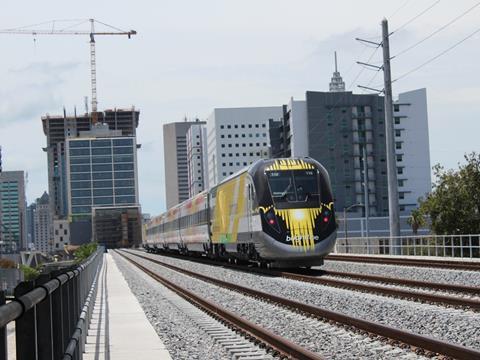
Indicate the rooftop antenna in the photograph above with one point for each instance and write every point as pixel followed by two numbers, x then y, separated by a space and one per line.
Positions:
pixel 336 84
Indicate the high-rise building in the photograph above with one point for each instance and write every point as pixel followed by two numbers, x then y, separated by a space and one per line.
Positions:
pixel 31 209
pixel 58 128
pixel 342 130
pixel 197 159
pixel 237 137
pixel 176 161
pixel 13 227
pixel 101 173
pixel 43 239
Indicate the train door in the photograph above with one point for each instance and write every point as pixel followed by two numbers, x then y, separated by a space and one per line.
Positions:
pixel 249 207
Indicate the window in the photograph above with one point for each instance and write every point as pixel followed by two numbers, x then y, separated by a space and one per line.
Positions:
pixel 398 145
pixel 399 158
pixel 80 176
pixel 102 175
pixel 243 135
pixel 79 152
pixel 401 183
pixel 236 126
pixel 236 135
pixel 224 174
pixel 222 136
pixel 397 120
pixel 79 143
pixel 249 126
pixel 401 195
pixel 229 145
pixel 101 143
pixel 229 126
pixel 263 125
pixel 398 133
pixel 223 145
pixel 102 184
pixel 396 107
pixel 242 126
pixel 123 183
pixel 229 136
pixel 256 125
pixel 105 167
pixel 399 170
pixel 80 193
pixel 101 151
pixel 122 142
pixel 221 126
pixel 79 168
pixel 102 160
pixel 125 191
pixel 102 192
pixel 123 150
pixel 81 184
pixel 80 160
pixel 103 201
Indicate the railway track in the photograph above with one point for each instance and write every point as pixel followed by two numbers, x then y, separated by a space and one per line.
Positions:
pixel 280 346
pixel 445 264
pixel 456 295
pixel 413 340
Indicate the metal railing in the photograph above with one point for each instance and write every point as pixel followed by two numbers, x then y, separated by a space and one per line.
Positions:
pixel 461 246
pixel 52 313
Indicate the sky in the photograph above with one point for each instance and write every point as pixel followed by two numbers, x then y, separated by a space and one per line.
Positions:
pixel 190 57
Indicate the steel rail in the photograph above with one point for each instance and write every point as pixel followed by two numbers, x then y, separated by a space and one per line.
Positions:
pixel 412 339
pixel 400 293
pixel 400 281
pixel 446 264
pixel 395 292
pixel 277 343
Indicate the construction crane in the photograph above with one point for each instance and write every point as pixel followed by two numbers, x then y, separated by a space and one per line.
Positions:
pixel 69 30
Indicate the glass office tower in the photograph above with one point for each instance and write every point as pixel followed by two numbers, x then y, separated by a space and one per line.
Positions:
pixel 101 172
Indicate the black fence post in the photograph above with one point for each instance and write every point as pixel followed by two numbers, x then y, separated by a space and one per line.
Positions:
pixel 44 323
pixel 66 314
pixel 3 333
pixel 57 319
pixel 25 332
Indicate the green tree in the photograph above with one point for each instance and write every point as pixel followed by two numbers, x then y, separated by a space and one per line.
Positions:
pixel 84 251
pixel 416 220
pixel 29 273
pixel 454 203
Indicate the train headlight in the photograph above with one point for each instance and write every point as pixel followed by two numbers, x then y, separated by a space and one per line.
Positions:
pixel 298 214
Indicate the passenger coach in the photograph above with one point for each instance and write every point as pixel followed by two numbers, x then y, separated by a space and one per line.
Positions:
pixel 276 212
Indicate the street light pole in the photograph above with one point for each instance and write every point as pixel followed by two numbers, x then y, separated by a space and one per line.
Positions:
pixel 345 221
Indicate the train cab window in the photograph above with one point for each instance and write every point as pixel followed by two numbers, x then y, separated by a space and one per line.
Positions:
pixel 294 188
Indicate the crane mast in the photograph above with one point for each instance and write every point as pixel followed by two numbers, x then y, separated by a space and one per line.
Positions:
pixel 93 72
pixel 68 31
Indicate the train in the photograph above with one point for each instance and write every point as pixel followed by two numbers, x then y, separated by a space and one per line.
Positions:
pixel 275 213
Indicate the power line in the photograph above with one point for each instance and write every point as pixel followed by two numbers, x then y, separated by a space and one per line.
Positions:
pixel 400 8
pixel 438 55
pixel 415 17
pixel 437 31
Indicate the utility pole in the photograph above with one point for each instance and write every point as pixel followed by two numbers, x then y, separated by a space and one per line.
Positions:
pixel 393 208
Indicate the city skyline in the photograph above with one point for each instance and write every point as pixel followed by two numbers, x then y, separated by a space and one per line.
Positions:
pixel 209 70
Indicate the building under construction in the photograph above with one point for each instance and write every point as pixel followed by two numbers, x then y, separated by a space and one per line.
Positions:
pixel 59 128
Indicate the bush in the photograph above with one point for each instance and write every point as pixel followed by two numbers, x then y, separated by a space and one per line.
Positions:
pixel 84 251
pixel 29 273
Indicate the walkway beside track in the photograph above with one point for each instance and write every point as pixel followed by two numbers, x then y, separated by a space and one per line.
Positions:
pixel 119 329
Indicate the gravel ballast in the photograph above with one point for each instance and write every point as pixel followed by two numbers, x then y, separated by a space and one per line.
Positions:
pixel 460 277
pixel 182 339
pixel 329 340
pixel 449 324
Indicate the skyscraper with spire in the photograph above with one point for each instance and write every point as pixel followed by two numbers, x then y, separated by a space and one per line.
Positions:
pixel 337 84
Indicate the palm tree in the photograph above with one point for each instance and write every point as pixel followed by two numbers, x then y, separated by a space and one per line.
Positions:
pixel 416 220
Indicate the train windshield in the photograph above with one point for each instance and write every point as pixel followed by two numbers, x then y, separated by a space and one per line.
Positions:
pixel 294 188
